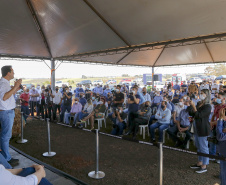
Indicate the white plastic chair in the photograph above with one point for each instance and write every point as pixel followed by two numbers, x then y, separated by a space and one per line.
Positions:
pixel 99 120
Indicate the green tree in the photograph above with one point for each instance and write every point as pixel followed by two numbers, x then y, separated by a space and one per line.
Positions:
pixel 209 71
pixel 220 69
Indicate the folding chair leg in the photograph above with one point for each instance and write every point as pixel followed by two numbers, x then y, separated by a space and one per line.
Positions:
pixel 143 132
pixel 140 130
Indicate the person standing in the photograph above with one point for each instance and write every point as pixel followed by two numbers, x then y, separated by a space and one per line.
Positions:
pixel 56 102
pixel 33 95
pixel 24 98
pixel 7 114
pixel 202 129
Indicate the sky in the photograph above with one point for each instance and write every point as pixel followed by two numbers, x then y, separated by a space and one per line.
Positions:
pixel 34 69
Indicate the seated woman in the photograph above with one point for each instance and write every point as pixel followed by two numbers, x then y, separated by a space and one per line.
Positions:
pixel 88 108
pixel 98 112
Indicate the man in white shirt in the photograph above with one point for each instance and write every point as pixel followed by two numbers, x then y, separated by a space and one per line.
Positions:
pixel 56 102
pixel 7 114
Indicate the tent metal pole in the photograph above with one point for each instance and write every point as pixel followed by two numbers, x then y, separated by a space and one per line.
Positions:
pixel 53 74
pixel 152 78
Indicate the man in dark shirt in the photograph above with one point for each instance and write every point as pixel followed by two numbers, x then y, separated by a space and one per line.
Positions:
pixel 67 103
pixel 82 99
pixel 118 99
pixel 120 123
pixel 133 101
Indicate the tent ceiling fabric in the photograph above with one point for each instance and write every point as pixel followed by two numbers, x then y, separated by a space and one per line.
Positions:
pixel 73 29
pixel 18 33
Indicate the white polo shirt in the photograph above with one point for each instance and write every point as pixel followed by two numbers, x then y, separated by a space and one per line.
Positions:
pixel 4 88
pixel 10 179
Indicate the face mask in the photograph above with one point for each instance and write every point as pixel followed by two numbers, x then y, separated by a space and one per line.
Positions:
pixel 144 92
pixel 38 87
pixel 185 98
pixel 181 104
pixel 33 88
pixel 133 92
pixel 80 96
pixel 67 91
pixel 26 92
pixel 98 86
pixel 93 98
pixel 219 101
pixel 83 96
pixel 202 97
pixel 185 106
pixel 108 95
pixel 70 89
pixel 101 102
pixel 146 105
pixel 196 97
pixel 76 102
pixel 120 111
pixel 169 90
pixel 56 89
pixel 117 90
pixel 162 106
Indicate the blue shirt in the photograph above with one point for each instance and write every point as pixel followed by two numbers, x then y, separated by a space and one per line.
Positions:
pixel 98 90
pixel 106 91
pixel 142 99
pixel 221 137
pixel 168 106
pixel 83 101
pixel 163 116
pixel 184 118
pixel 176 87
pixel 79 90
pixel 157 99
pixel 133 107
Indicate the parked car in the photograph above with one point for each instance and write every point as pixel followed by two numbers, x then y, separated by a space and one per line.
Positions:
pixel 97 82
pixel 60 83
pixel 196 79
pixel 159 85
pixel 85 82
pixel 111 82
pixel 137 80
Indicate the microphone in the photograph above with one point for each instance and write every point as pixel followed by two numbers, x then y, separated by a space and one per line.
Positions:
pixel 21 86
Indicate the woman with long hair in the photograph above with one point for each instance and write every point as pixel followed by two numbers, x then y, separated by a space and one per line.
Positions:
pixel 202 129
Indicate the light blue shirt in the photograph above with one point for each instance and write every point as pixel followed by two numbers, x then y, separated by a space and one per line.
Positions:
pixel 98 90
pixel 163 116
pixel 142 99
pixel 184 118
pixel 157 99
pixel 106 91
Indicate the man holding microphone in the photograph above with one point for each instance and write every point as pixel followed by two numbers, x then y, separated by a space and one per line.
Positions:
pixel 7 107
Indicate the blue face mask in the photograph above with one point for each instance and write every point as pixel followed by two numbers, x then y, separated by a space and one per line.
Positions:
pixel 218 101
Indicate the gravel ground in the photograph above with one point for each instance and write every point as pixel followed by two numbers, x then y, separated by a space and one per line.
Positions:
pixel 124 162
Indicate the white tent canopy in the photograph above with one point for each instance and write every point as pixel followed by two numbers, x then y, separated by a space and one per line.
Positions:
pixel 120 32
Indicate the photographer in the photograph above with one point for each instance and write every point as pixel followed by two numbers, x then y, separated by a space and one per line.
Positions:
pixel 202 129
pixel 221 137
pixel 66 105
pixel 120 123
pixel 24 98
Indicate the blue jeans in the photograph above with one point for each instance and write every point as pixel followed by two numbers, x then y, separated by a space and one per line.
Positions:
pixel 30 170
pixel 67 115
pixel 4 162
pixel 118 130
pixel 25 111
pixel 160 127
pixel 81 115
pixel 111 118
pixel 223 172
pixel 201 144
pixel 63 109
pixel 212 146
pixel 6 119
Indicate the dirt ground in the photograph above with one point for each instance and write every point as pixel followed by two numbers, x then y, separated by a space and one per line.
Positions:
pixel 124 162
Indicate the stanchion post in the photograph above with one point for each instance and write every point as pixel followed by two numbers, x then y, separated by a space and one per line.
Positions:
pixel 49 153
pixel 97 174
pixel 22 140
pixel 160 164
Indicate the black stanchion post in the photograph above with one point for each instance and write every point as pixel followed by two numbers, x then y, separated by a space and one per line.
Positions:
pixel 160 164
pixel 97 174
pixel 49 153
pixel 22 140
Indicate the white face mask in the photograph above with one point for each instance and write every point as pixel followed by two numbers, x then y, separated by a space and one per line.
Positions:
pixel 185 98
pixel 202 96
pixel 93 98
pixel 67 91
pixel 38 87
pixel 26 92
pixel 120 111
pixel 33 88
pixel 116 90
pixel 70 89
pixel 101 102
pixel 181 104
pixel 98 86
pixel 133 92
pixel 76 102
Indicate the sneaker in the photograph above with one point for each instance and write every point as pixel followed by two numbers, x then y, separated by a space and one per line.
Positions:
pixel 201 170
pixel 195 166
